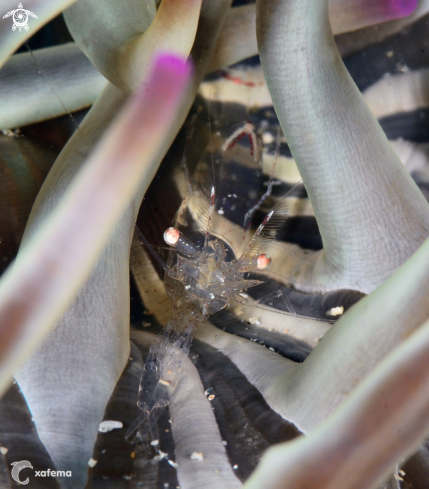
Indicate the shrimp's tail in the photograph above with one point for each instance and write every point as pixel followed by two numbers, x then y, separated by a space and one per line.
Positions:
pixel 159 377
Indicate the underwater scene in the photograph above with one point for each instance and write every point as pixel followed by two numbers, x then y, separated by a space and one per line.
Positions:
pixel 214 244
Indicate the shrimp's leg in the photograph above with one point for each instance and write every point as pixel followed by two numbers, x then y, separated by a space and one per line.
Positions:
pixel 278 294
pixel 267 300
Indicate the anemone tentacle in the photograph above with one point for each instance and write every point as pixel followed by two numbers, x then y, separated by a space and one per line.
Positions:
pixel 99 315
pixel 360 191
pixel 87 311
pixel 77 83
pixel 350 171
pixel 46 10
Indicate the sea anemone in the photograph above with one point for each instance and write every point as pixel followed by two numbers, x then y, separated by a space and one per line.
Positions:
pixel 357 407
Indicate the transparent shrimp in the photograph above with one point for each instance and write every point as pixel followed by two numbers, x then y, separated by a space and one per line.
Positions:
pixel 199 284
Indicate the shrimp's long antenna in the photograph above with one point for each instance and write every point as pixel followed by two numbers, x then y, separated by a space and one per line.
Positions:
pixel 179 217
pixel 213 191
pixel 149 247
pixel 250 212
pixel 189 137
pixel 271 225
pixel 210 220
pixel 42 71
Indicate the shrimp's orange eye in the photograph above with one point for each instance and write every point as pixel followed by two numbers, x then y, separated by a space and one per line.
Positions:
pixel 171 236
pixel 264 261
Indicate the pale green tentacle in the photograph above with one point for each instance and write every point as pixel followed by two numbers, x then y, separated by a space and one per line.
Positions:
pixel 371 215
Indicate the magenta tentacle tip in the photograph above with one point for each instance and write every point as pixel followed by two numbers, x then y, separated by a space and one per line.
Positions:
pixel 401 8
pixel 164 84
pixel 178 65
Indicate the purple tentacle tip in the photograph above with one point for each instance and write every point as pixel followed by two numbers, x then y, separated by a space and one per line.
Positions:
pixel 401 8
pixel 178 65
pixel 164 86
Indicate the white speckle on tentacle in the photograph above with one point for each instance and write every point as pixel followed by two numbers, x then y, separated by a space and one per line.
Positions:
pixel 215 471
pixel 160 456
pixel 335 311
pixel 254 321
pixel 197 456
pixel 109 425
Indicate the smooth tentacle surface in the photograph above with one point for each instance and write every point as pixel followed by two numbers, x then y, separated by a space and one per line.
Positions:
pixel 355 14
pixel 41 378
pixel 68 381
pixel 102 30
pixel 75 80
pixel 348 43
pixel 124 52
pixel 379 218
pixel 48 374
pixel 46 10
pixel 349 449
pixel 98 320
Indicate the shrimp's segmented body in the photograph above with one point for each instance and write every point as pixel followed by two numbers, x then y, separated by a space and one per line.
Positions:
pixel 199 284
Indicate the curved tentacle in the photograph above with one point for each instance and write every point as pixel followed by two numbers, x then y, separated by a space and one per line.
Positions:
pixel 371 215
pixel 371 329
pixel 237 40
pixel 93 336
pixel 75 79
pixel 129 42
pixel 46 10
pixel 102 29
pixel 355 14
pixel 360 444
pixel 349 43
pixel 209 26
